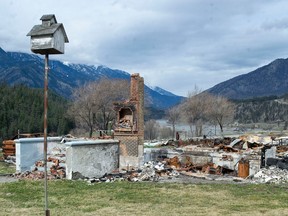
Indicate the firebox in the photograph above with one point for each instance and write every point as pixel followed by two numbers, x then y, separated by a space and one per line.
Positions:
pixel 126 117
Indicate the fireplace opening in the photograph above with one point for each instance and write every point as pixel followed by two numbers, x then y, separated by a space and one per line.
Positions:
pixel 125 118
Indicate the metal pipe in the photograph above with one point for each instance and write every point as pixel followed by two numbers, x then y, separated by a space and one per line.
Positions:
pixel 47 212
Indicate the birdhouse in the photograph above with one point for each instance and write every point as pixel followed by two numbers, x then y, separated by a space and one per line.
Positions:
pixel 49 37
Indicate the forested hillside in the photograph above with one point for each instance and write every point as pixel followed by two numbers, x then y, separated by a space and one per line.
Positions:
pixel 22 108
pixel 267 109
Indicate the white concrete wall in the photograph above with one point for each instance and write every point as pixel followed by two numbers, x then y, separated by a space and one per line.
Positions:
pixel 91 158
pixel 30 150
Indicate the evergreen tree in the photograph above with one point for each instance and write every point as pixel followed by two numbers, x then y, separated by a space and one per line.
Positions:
pixel 21 108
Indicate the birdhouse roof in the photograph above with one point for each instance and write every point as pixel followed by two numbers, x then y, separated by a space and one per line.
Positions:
pixel 40 30
pixel 48 17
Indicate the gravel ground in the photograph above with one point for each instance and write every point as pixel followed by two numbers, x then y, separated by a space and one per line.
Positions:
pixel 7 178
pixel 209 179
pixel 179 179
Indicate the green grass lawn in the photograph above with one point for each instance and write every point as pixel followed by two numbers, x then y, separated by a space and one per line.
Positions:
pixel 26 197
pixel 6 168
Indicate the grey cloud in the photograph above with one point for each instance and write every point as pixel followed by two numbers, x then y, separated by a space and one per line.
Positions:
pixel 173 44
pixel 276 24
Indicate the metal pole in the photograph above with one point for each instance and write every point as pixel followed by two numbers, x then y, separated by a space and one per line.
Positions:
pixel 47 212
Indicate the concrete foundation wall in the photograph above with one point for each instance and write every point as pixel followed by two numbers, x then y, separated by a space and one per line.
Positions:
pixel 30 150
pixel 91 158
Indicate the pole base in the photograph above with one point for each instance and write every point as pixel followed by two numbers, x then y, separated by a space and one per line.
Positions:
pixel 47 212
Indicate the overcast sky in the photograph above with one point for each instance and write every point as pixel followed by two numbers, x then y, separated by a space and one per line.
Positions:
pixel 173 44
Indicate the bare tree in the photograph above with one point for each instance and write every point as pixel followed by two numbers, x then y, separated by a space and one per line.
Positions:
pixel 203 107
pixel 82 108
pixel 151 129
pixel 220 110
pixel 93 104
pixel 194 109
pixel 173 117
pixel 107 92
pixel 165 132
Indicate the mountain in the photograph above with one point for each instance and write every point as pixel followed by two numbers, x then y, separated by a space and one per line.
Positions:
pixel 269 80
pixel 161 101
pixel 28 69
pixel 162 91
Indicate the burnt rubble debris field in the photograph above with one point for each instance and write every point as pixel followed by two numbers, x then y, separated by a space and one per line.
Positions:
pixel 247 159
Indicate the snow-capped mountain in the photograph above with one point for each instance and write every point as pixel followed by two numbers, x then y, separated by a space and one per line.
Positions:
pixel 22 68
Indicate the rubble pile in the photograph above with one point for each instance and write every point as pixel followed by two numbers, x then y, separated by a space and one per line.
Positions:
pixel 54 172
pixel 151 171
pixel 55 167
pixel 271 174
pixel 282 151
pixel 169 168
pixel 10 159
pixel 35 175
